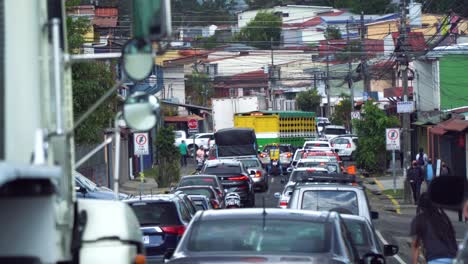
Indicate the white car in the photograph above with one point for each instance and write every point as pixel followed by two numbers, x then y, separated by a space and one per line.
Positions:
pixel 333 131
pixel 179 136
pixel 345 146
pixel 317 145
pixel 198 140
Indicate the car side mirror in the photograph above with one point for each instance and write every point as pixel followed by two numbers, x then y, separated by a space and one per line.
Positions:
pixel 81 189
pixel 289 170
pixel 390 250
pixel 372 258
pixel 374 215
pixel 277 195
pixel 294 163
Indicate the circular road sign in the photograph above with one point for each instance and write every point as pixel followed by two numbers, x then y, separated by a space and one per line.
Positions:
pixel 393 134
pixel 192 124
pixel 141 139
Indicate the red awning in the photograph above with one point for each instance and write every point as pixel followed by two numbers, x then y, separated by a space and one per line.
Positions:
pixel 181 118
pixel 438 131
pixel 454 124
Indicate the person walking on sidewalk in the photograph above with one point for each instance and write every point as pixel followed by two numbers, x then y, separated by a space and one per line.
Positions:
pixel 422 160
pixel 183 154
pixel 429 172
pixel 415 179
pixel 432 231
pixel 444 169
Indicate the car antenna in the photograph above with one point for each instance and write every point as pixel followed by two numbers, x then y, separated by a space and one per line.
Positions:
pixel 264 212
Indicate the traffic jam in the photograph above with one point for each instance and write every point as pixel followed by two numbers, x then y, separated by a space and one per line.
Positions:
pixel 212 216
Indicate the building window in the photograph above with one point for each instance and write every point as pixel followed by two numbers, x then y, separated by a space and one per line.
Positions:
pixel 285 14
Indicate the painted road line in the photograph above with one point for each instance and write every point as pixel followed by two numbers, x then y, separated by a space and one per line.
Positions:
pixel 394 202
pixel 386 243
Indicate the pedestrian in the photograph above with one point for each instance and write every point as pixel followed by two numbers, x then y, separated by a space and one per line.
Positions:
pixel 415 178
pixel 183 153
pixel 444 169
pixel 422 159
pixel 433 232
pixel 429 172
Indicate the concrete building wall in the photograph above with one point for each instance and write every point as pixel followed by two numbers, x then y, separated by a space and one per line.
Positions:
pixel 425 86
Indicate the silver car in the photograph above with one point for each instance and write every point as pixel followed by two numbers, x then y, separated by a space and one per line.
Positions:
pixel 256 171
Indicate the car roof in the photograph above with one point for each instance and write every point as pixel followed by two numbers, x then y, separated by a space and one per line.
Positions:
pixel 356 218
pixel 198 176
pixel 194 187
pixel 334 185
pixel 309 168
pixel 153 198
pixel 271 213
pixel 316 141
pixel 198 197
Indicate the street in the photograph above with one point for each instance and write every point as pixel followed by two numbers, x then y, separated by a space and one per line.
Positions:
pixel 391 228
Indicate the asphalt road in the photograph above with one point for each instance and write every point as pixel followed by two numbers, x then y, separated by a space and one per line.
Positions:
pixel 391 228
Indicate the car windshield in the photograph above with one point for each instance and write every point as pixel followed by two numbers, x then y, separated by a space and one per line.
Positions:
pixel 359 232
pixel 314 164
pixel 151 213
pixel 250 163
pixel 222 169
pixel 299 174
pixel 315 145
pixel 326 200
pixel 335 131
pixel 274 236
pixel 87 183
pixel 177 134
pixel 197 181
pixel 282 148
pixel 199 191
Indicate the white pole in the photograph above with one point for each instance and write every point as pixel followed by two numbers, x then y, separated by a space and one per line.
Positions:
pixel 117 154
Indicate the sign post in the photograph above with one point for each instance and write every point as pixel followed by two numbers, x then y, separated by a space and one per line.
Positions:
pixel 392 139
pixel 192 125
pixel 141 147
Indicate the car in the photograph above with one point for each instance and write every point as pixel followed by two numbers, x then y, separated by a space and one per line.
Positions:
pixel 330 166
pixel 333 131
pixel 163 220
pixel 363 234
pixel 201 202
pixel 317 145
pixel 202 180
pixel 321 123
pixel 234 178
pixel 179 136
pixel 87 189
pixel 267 236
pixel 345 146
pixel 188 203
pixel 330 192
pixel 331 156
pixel 208 191
pixel 256 171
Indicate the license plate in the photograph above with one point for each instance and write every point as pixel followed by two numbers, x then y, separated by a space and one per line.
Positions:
pixel 146 240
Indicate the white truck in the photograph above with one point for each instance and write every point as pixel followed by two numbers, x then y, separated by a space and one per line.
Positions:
pixel 225 108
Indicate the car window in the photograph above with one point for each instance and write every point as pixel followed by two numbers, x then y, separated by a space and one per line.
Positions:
pixel 321 145
pixel 315 164
pixel 85 182
pixel 197 181
pixel 347 240
pixel 184 212
pixel 254 235
pixel 222 169
pixel 359 233
pixel 298 174
pixel 177 134
pixel 206 136
pixel 164 213
pixel 200 191
pixel 326 200
pixel 335 131
pixel 250 163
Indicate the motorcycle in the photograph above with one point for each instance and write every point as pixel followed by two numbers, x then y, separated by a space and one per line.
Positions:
pixel 275 167
pixel 232 200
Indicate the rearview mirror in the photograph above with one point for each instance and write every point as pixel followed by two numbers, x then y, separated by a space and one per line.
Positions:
pixel 452 199
pixel 140 111
pixel 289 169
pixel 138 61
pixel 390 250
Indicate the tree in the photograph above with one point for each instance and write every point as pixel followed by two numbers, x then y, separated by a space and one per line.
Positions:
pixel 263 31
pixel 371 150
pixel 372 7
pixel 332 33
pixel 443 7
pixel 309 100
pixel 199 88
pixel 342 112
pixel 90 80
pixel 262 4
pixel 168 157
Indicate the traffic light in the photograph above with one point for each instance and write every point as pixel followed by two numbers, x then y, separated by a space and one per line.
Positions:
pixel 151 19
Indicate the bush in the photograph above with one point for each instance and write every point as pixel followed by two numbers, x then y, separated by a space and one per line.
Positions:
pixel 168 157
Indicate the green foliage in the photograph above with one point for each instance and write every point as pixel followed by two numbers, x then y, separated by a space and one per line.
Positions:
pixel 90 81
pixel 342 112
pixel 264 30
pixel 371 152
pixel 332 33
pixel 76 28
pixel 443 7
pixel 309 100
pixel 207 43
pixel 168 157
pixel 196 86
pixel 261 4
pixel 200 13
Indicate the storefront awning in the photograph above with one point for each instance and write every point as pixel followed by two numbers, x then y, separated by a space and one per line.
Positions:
pixel 438 131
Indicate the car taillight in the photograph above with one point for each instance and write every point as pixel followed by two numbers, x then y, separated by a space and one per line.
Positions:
pixel 348 145
pixel 283 203
pixel 258 174
pixel 239 178
pixel 174 230
pixel 215 204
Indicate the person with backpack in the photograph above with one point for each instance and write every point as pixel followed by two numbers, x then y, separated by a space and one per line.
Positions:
pixel 421 158
pixel 415 178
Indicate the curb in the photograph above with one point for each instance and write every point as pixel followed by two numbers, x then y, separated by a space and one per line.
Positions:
pixel 393 200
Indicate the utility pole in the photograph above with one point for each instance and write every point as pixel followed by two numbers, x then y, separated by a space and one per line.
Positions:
pixel 327 80
pixel 271 75
pixel 350 75
pixel 365 77
pixel 404 61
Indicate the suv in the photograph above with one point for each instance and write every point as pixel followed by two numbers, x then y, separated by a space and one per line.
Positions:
pixel 332 131
pixel 234 178
pixel 202 180
pixel 345 146
pixel 256 171
pixel 163 220
pixel 208 191
pixel 331 192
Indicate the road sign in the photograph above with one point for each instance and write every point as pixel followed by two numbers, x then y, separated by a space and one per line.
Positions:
pixel 405 107
pixel 192 123
pixel 141 145
pixel 355 115
pixel 392 138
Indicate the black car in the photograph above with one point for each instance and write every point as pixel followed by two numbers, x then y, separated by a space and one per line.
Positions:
pixel 268 236
pixel 216 201
pixel 187 201
pixel 163 220
pixel 234 178
pixel 202 180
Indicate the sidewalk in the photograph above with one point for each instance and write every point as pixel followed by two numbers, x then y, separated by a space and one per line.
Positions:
pixel 150 185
